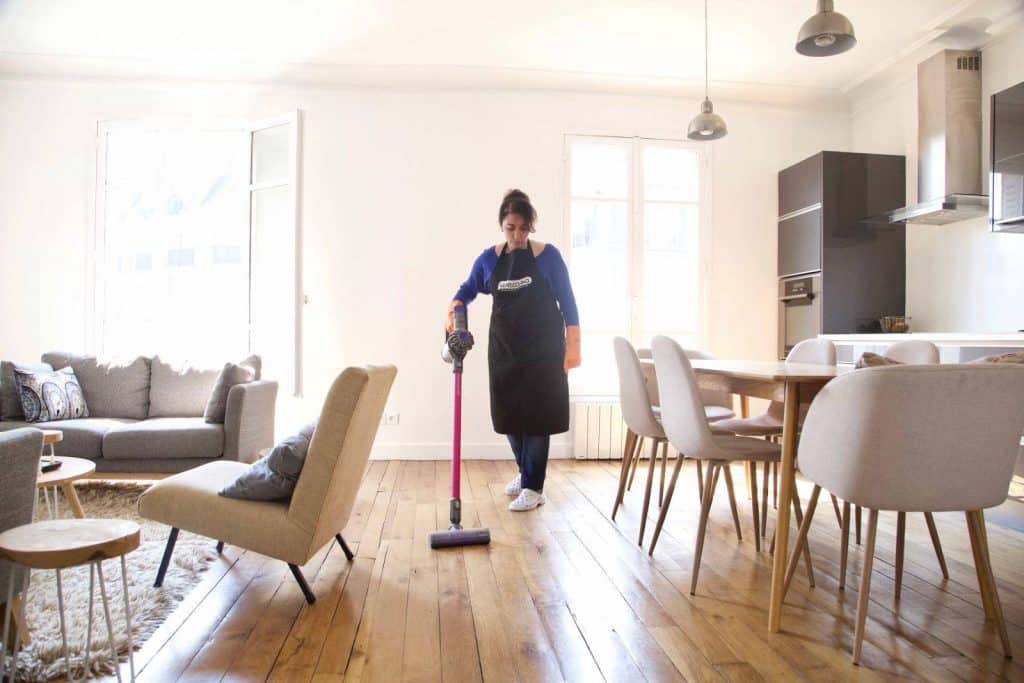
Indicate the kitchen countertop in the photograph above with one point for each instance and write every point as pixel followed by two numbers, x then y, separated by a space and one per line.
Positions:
pixel 937 338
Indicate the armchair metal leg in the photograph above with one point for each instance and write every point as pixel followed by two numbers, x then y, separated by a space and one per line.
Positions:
pixel 168 549
pixel 301 580
pixel 344 547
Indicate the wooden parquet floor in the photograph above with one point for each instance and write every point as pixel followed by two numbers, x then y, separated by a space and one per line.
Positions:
pixel 565 593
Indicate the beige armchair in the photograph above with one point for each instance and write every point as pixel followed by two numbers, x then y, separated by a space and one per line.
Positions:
pixel 916 439
pixel 324 494
pixel 19 469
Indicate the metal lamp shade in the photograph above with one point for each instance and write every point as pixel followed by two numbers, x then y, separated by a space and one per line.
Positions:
pixel 825 34
pixel 707 125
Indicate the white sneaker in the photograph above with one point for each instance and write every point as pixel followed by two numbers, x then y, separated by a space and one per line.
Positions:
pixel 514 487
pixel 527 500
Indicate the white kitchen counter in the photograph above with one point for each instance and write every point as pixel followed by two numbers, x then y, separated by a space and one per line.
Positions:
pixel 937 338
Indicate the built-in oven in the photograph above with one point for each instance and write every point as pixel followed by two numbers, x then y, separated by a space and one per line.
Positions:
pixel 799 310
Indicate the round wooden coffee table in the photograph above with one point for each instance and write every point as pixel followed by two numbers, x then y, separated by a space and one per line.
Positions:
pixel 70 470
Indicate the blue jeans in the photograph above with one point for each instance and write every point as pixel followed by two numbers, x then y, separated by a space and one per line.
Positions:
pixel 532 457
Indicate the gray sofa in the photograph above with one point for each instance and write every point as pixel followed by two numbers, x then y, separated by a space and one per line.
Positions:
pixel 146 415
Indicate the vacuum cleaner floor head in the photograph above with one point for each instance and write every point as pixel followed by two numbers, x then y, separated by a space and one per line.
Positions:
pixel 458 537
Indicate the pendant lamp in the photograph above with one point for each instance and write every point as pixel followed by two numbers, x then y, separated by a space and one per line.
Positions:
pixel 707 125
pixel 825 34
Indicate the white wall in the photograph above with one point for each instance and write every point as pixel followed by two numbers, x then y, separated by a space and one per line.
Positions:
pixel 400 194
pixel 960 277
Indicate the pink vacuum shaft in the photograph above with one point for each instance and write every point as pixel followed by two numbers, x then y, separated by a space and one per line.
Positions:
pixel 457 436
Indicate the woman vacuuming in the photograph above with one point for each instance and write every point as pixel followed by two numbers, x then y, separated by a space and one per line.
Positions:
pixel 534 342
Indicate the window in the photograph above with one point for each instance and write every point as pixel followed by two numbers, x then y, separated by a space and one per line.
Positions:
pixel 196 237
pixel 634 214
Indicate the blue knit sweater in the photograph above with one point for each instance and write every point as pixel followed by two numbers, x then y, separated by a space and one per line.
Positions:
pixel 550 264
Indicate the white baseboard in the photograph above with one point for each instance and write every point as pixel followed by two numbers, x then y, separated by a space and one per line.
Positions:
pixel 443 451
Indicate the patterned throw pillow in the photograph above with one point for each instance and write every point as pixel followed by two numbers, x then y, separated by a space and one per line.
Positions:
pixel 874 360
pixel 49 396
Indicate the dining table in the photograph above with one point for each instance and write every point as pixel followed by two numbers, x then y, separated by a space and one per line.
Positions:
pixel 790 384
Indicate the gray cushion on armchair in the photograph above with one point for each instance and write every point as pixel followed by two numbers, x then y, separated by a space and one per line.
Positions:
pixel 19 468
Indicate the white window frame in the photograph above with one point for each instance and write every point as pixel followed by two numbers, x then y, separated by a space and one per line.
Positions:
pixel 96 288
pixel 635 218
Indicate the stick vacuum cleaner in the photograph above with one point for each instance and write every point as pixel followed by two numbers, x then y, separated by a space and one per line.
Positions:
pixel 456 345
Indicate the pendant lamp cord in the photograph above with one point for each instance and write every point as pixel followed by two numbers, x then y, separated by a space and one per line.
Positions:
pixel 705 49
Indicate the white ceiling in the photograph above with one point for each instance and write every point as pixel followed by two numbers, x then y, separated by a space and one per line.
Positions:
pixel 644 44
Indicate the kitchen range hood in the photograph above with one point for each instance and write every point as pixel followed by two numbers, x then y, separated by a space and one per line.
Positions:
pixel 948 142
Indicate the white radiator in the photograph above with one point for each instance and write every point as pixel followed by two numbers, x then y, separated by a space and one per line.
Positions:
pixel 598 431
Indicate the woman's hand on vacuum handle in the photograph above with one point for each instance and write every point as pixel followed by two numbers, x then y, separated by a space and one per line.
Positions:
pixel 450 322
pixel 572 348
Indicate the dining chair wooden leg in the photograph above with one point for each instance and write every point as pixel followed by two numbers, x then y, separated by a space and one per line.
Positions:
pixel 857 515
pixel 865 585
pixel 835 506
pixel 799 515
pixel 746 477
pixel 664 466
pixel 936 543
pixel 801 540
pixel 844 545
pixel 702 527
pixel 988 579
pixel 647 490
pixel 986 600
pixel 627 461
pixel 775 485
pixel 638 451
pixel 663 513
pixel 754 506
pixel 764 498
pixel 732 500
pixel 901 539
pixel 700 481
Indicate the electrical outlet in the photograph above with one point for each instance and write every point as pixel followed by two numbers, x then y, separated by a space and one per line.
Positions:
pixel 391 418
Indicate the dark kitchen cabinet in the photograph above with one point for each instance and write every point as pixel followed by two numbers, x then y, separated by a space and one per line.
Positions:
pixel 823 202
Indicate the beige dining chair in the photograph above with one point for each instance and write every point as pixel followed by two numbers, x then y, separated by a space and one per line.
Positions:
pixel 686 426
pixel 768 425
pixel 717 402
pixel 638 404
pixel 643 421
pixel 910 352
pixel 922 438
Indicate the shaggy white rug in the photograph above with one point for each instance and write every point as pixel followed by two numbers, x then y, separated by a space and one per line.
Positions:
pixel 44 658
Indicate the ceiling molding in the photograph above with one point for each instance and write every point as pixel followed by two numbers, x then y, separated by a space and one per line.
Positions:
pixel 405 77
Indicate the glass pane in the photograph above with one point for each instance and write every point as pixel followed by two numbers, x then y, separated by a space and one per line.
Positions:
pixel 273 278
pixel 600 170
pixel 598 375
pixel 671 174
pixel 163 290
pixel 134 157
pixel 599 269
pixel 271 153
pixel 671 268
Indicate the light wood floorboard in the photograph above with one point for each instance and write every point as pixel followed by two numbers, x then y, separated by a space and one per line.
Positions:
pixel 565 593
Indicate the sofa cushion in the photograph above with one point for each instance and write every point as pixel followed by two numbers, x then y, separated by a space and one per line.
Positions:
pixel 112 388
pixel 83 438
pixel 165 437
pixel 179 389
pixel 10 397
pixel 50 395
pixel 232 374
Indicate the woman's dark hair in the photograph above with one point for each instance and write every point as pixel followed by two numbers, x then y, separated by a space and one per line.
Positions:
pixel 517 202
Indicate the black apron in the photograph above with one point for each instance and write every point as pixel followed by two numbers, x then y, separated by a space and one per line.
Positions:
pixel 526 350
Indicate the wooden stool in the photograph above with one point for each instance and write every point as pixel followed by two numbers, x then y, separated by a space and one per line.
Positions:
pixel 61 544
pixel 64 478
